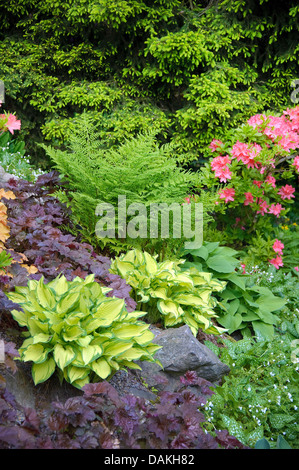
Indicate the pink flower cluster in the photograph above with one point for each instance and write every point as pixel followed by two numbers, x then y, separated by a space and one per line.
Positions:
pixel 219 166
pixel 9 122
pixel 280 131
pixel 278 246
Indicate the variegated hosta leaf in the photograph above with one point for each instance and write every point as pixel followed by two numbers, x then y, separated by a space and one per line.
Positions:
pixel 181 296
pixel 75 328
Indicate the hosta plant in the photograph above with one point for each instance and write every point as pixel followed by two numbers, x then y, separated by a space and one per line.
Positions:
pixel 180 296
pixel 75 329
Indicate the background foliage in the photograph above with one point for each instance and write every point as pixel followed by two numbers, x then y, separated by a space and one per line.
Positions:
pixel 191 69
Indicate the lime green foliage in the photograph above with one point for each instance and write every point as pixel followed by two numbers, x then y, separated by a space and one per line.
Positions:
pixel 243 305
pixel 5 259
pixel 259 398
pixel 75 329
pixel 181 296
pixel 139 170
pixel 193 69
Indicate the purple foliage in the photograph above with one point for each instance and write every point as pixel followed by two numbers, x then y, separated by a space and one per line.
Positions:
pixel 102 419
pixel 35 218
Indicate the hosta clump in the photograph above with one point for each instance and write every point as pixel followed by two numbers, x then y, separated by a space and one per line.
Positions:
pixel 180 296
pixel 75 329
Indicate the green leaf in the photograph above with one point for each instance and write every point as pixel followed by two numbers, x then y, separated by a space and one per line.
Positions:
pixel 262 444
pixel 91 353
pixel 41 372
pixel 63 355
pixel 282 443
pixel 76 373
pixel 271 303
pixel 101 368
pixel 68 302
pixel 263 331
pixel 222 264
pixel 35 353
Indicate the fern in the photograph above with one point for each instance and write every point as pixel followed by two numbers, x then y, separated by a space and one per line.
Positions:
pixel 139 169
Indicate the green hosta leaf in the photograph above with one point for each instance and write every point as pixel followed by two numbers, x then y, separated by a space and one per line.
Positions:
pixel 114 349
pixel 101 368
pixel 41 338
pixel 145 338
pixel 44 295
pixel 231 322
pixel 36 327
pixel 60 285
pixel 35 353
pixel 21 317
pixel 72 333
pixel 42 372
pixel 91 353
pixel 109 311
pixel 63 355
pixel 271 303
pixel 262 444
pixel 130 331
pixel 68 302
pixel 222 264
pixel 76 373
pixel 169 306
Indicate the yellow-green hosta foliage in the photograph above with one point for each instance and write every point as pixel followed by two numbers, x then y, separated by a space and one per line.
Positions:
pixel 74 328
pixel 180 296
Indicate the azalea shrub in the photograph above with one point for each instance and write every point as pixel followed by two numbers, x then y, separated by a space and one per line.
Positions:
pixel 251 174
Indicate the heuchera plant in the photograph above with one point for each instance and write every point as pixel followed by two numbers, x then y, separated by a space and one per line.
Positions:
pixel 103 419
pixel 255 166
pixel 35 219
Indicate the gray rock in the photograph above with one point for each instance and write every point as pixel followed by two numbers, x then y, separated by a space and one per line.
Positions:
pixel 5 177
pixel 181 352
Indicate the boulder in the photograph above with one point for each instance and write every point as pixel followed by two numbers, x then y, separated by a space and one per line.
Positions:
pixel 181 352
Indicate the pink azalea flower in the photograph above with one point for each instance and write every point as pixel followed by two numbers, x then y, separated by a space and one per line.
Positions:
pixel 294 118
pixel 275 209
pixel 256 120
pixel 249 199
pixel 296 268
pixel 12 123
pixel 240 151
pixel 286 192
pixel 277 262
pixel 227 194
pixel 219 166
pixel 243 266
pixel 271 180
pixel 278 246
pixel 296 163
pixel 257 183
pixel 263 206
pixel 215 144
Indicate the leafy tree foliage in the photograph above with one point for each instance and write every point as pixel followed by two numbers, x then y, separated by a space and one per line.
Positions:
pixel 189 68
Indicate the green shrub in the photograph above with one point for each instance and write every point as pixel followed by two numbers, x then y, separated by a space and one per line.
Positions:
pixel 243 305
pixel 169 293
pixel 75 329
